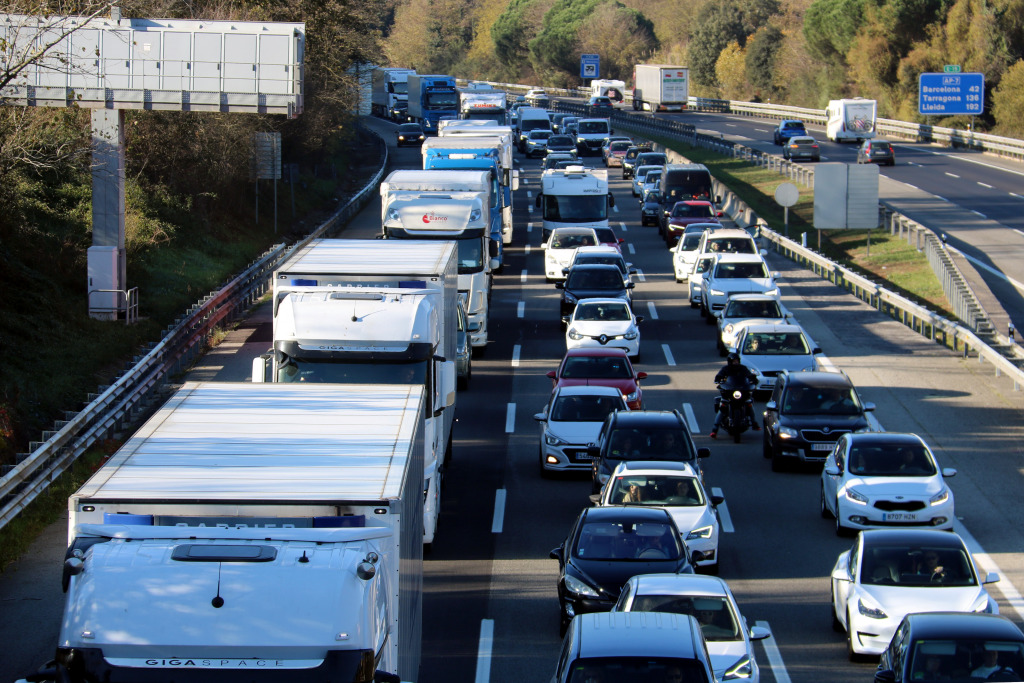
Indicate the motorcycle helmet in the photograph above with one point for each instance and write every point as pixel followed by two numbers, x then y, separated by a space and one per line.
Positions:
pixel 732 357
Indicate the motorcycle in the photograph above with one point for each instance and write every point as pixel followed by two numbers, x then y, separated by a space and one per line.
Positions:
pixel 736 393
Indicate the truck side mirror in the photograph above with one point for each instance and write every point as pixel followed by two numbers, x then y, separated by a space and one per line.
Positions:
pixel 515 180
pixel 259 368
pixel 493 248
pixel 446 385
pixel 537 203
pixel 611 199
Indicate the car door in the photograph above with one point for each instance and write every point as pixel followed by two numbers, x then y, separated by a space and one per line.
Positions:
pixel 771 414
pixel 843 577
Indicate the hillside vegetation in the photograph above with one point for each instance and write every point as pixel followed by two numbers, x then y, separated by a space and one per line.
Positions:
pixel 190 219
pixel 796 52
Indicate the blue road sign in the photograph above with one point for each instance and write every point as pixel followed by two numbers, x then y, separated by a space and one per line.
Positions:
pixel 947 94
pixel 590 66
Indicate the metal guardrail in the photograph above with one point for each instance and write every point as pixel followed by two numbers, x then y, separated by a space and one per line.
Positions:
pixel 129 398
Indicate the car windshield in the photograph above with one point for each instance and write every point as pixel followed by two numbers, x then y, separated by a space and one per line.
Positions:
pixel 656 490
pixel 592 127
pixel 619 146
pixel 583 408
pixel 714 613
pixel 965 659
pixel 691 211
pixel 817 400
pixel 560 140
pixel 741 270
pixel 643 541
pixel 918 566
pixel 410 128
pixel 611 312
pixel 775 344
pixel 594 278
pixel 602 261
pixel 596 367
pixel 891 460
pixel 652 177
pixel 540 134
pixel 690 242
pixel 623 669
pixel 732 245
pixel 574 208
pixel 737 308
pixel 571 241
pixel 627 443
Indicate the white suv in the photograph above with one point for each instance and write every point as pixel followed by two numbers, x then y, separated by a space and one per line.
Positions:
pixel 735 274
pixel 727 241
pixel 560 247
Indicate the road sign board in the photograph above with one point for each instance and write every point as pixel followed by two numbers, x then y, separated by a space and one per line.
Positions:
pixel 590 66
pixel 951 68
pixel 951 93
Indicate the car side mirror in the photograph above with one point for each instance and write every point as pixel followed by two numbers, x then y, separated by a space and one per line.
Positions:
pixel 540 417
pixel 832 470
pixel 631 285
pixel 595 499
pixel 556 554
pixel 719 214
pixel 611 200
pixel 552 374
pixel 565 271
pixel 696 556
pixel 948 472
pixel 759 633
pixel 703 452
pixel 641 375
pixel 632 271
pixel 816 350
pixel 868 407
pixel 771 405
pixel 991 577
pixel 763 252
pixel 565 319
pixel 639 319
pixel 559 285
pixel 717 500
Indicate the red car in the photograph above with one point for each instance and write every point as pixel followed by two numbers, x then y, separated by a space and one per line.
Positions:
pixel 601 367
pixel 686 212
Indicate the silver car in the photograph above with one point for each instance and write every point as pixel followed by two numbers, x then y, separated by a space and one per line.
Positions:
pixel 770 349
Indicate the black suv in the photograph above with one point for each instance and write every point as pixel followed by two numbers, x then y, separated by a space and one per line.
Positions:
pixel 642 435
pixel 629 161
pixel 593 280
pixel 807 413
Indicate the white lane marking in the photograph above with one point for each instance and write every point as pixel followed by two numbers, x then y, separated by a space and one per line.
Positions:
pixel 826 363
pixel 912 163
pixel 970 161
pixel 524 181
pixel 510 418
pixel 529 208
pixel 691 419
pixel 668 355
pixel 984 184
pixel 622 227
pixel 1019 232
pixel 529 195
pixel 527 249
pixel 724 518
pixel 914 186
pixel 615 208
pixel 942 198
pixel 483 651
pixel 640 275
pixel 631 249
pixel 652 310
pixel 529 227
pixel 1010 593
pixel 762 130
pixel 499 511
pixel 979 213
pixel 1014 194
pixel 730 125
pixel 516 350
pixel 978 264
pixel 952 175
pixel 774 656
pixel 520 309
pixel 522 277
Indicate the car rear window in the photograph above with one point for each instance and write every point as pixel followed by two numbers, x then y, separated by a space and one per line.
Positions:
pixel 775 344
pixel 692 211
pixel 732 245
pixel 629 443
pixel 596 367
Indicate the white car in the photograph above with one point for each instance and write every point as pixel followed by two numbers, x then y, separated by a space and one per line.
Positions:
pixel 684 251
pixel 571 420
pixel 889 573
pixel 603 254
pixel 770 349
pixel 879 479
pixel 747 309
pixel 559 248
pixel 638 178
pixel 601 323
pixel 709 600
pixel 735 274
pixel 695 280
pixel 675 486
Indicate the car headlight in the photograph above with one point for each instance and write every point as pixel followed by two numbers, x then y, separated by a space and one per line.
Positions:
pixel 939 498
pixel 574 335
pixel 772 292
pixel 788 433
pixel 474 215
pixel 856 497
pixel 984 605
pixel 552 440
pixel 392 215
pixel 716 292
pixel 703 532
pixel 870 612
pixel 401 137
pixel 574 585
pixel 631 334
pixel 729 328
pixel 632 396
pixel 739 670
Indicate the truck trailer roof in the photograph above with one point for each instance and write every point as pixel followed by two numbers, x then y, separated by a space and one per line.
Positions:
pixel 343 256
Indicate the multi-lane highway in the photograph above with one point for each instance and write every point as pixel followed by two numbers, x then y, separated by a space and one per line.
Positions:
pixel 491 612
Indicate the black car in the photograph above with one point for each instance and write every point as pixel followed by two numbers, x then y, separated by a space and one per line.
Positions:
pixel 650 210
pixel 561 143
pixel 606 547
pixel 629 161
pixel 876 152
pixel 600 106
pixel 953 646
pixel 592 280
pixel 556 122
pixel 409 134
pixel 787 129
pixel 642 435
pixel 807 413
pixel 649 158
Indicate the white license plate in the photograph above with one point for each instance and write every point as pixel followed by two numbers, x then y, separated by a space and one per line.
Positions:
pixel 822 446
pixel 585 456
pixel 899 517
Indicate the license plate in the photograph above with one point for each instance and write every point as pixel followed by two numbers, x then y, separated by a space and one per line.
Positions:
pixel 822 446
pixel 899 517
pixel 584 456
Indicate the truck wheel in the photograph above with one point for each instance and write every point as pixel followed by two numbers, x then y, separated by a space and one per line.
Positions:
pixel 479 351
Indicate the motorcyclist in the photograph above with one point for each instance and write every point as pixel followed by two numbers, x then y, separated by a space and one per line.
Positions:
pixel 734 368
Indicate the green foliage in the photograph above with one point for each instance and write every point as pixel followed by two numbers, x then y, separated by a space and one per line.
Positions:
pixel 720 24
pixel 760 59
pixel 557 44
pixel 511 32
pixel 622 37
pixel 1008 101
pixel 831 25
pixel 730 71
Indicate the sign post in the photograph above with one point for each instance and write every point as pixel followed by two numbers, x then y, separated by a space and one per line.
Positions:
pixel 952 93
pixel 590 66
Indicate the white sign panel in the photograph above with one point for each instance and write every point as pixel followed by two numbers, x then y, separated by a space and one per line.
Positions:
pixel 845 196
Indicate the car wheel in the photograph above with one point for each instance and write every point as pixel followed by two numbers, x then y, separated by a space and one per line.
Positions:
pixel 709 317
pixel 711 570
pixel 778 465
pixel 766 446
pixel 837 625
pixel 721 347
pixel 825 514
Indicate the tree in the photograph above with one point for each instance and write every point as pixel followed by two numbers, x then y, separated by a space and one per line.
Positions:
pixel 622 37
pixel 557 44
pixel 720 24
pixel 731 72
pixel 1008 102
pixel 760 59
